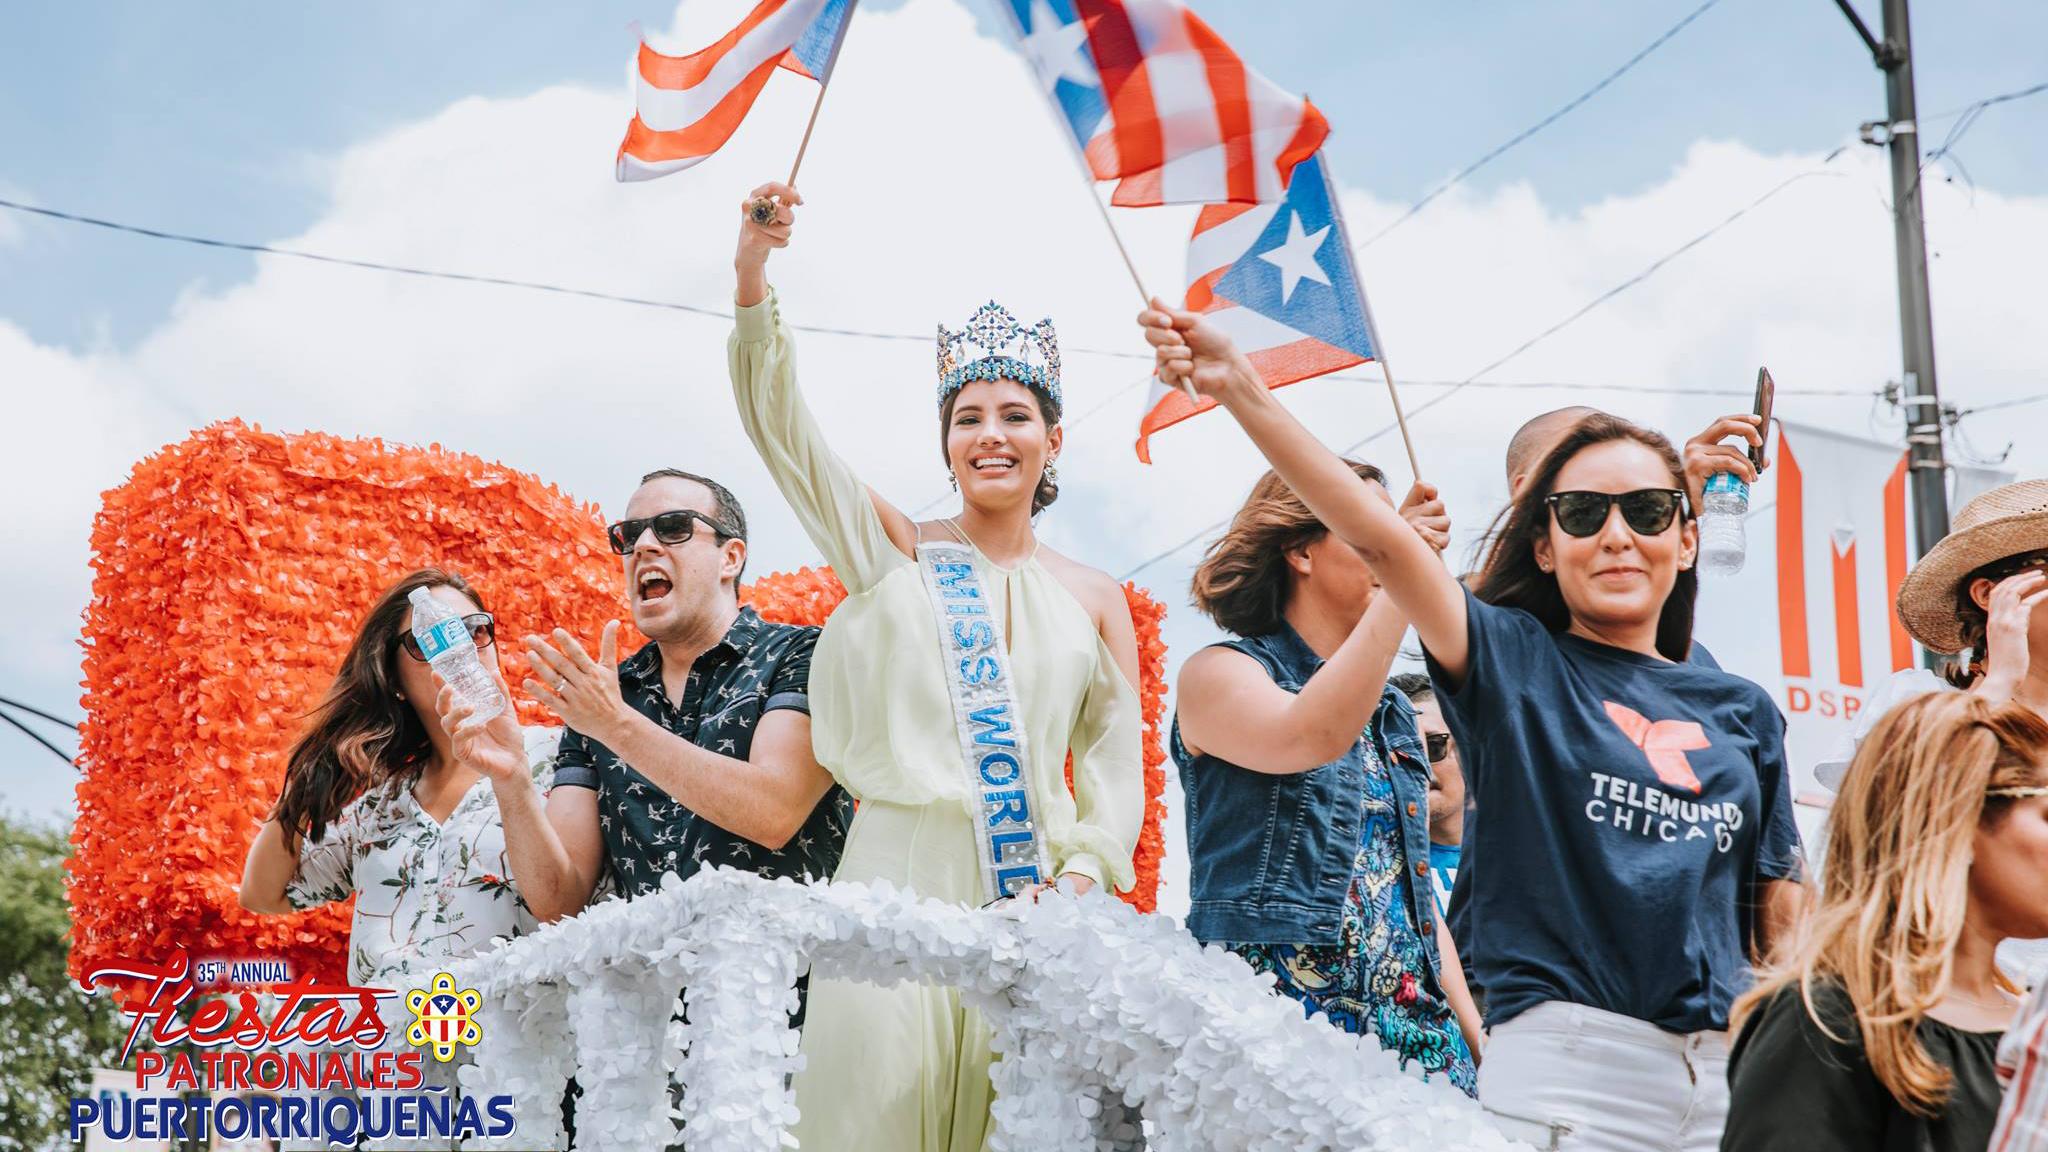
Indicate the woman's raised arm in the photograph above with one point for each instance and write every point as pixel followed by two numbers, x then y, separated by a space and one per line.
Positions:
pixel 1360 513
pixel 862 535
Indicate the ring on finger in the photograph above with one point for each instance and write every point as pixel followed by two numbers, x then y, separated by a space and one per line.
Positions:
pixel 561 684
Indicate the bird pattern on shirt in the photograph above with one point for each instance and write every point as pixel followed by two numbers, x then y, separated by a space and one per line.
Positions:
pixel 758 667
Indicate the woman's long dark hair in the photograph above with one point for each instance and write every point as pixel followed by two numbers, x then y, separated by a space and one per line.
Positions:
pixel 1510 577
pixel 362 734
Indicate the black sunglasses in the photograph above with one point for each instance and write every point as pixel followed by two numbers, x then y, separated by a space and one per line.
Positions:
pixel 669 528
pixel 1438 745
pixel 483 631
pixel 1647 511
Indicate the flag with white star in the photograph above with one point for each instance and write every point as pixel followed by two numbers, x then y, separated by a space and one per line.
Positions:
pixel 1158 102
pixel 1279 281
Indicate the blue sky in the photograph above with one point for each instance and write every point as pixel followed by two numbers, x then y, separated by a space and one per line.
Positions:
pixel 219 119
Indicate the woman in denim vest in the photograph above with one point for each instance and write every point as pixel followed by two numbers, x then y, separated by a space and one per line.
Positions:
pixel 1307 788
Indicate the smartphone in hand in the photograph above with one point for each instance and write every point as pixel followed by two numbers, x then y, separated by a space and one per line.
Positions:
pixel 1766 395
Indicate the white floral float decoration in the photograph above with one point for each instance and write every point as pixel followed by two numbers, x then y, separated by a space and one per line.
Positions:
pixel 1117 1030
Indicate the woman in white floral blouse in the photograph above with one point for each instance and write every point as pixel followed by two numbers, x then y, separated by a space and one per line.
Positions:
pixel 380 803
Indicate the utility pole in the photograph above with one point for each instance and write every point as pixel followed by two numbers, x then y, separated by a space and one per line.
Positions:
pixel 1926 469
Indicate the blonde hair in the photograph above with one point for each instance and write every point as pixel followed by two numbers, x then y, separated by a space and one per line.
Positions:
pixel 1897 880
pixel 1243 582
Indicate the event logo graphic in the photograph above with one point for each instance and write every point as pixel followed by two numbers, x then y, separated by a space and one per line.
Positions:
pixel 1664 742
pixel 444 1017
pixel 239 1050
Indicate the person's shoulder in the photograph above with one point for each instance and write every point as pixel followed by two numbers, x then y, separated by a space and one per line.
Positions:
pixel 1819 1011
pixel 1097 590
pixel 1754 697
pixel 783 635
pixel 1701 657
pixel 1506 620
pixel 1223 660
pixel 373 810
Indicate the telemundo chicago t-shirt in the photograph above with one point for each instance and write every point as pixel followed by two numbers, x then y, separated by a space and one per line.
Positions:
pixel 1625 809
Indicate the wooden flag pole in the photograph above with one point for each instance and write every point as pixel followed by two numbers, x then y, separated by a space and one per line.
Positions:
pixel 1088 182
pixel 765 207
pixel 1400 417
pixel 1144 298
pixel 1379 351
pixel 809 126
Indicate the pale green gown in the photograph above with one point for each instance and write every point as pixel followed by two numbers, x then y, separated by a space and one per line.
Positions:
pixel 906 1069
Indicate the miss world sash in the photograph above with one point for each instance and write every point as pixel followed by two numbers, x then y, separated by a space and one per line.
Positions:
pixel 993 751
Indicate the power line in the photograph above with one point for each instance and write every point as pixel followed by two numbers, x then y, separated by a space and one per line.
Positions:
pixel 1966 119
pixel 1540 125
pixel 6 703
pixel 475 278
pixel 1611 293
pixel 38 713
pixel 1987 102
pixel 1993 407
pixel 37 737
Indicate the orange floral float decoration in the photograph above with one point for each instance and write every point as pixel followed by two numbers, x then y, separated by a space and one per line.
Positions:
pixel 232 569
pixel 230 573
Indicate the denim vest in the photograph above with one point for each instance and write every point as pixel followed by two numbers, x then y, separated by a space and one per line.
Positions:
pixel 1270 856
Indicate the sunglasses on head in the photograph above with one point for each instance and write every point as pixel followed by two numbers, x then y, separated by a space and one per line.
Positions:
pixel 669 528
pixel 483 631
pixel 1647 511
pixel 1998 570
pixel 1438 744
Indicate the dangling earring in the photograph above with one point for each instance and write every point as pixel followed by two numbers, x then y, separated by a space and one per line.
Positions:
pixel 1052 473
pixel 953 478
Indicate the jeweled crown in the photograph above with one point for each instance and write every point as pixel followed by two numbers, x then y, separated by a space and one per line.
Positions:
pixel 1008 350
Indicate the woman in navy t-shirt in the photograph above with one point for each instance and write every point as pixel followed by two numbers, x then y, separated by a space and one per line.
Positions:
pixel 1633 848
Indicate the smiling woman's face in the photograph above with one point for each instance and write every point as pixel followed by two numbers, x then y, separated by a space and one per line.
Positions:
pixel 997 442
pixel 1617 578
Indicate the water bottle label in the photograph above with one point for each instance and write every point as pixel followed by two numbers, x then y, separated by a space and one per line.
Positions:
pixel 1727 483
pixel 443 636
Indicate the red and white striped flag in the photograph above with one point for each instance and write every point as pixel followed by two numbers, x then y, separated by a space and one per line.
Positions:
pixel 1188 122
pixel 689 106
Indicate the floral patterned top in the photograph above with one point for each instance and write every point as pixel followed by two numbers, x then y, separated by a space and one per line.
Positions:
pixel 424 891
pixel 1376 978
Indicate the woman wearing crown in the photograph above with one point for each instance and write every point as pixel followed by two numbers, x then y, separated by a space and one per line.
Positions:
pixel 947 693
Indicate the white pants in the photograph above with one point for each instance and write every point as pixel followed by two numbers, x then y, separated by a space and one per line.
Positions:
pixel 1568 1077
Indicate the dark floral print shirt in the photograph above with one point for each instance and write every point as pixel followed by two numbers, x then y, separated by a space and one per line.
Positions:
pixel 758 668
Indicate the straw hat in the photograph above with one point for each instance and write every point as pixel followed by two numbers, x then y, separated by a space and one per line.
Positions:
pixel 2003 522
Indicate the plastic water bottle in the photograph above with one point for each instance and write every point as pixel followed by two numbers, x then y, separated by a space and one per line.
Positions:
pixel 447 645
pixel 1723 508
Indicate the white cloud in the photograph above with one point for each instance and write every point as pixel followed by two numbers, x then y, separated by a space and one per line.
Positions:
pixel 936 181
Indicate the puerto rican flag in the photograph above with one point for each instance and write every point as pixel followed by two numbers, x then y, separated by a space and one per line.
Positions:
pixel 689 106
pixel 1158 102
pixel 1278 280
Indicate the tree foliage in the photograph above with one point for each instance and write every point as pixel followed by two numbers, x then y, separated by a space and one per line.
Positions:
pixel 52 1035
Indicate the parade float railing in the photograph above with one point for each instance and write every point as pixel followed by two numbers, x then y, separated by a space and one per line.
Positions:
pixel 1115 1030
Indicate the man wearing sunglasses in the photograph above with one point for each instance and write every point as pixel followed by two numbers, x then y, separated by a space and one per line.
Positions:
pixel 696 750
pixel 1446 787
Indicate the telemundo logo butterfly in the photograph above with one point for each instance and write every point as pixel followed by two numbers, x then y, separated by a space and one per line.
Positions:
pixel 444 1017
